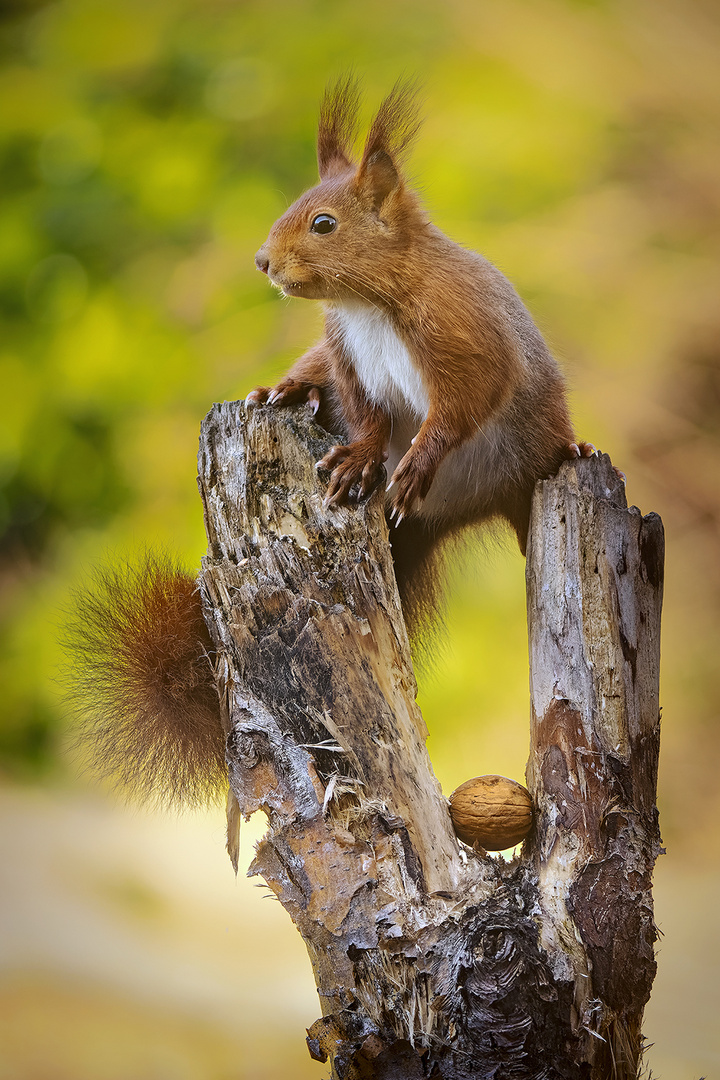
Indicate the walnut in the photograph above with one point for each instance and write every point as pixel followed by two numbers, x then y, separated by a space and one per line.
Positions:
pixel 491 811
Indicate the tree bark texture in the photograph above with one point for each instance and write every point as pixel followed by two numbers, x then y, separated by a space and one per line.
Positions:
pixel 430 958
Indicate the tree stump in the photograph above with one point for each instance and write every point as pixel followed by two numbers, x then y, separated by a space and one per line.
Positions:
pixel 431 958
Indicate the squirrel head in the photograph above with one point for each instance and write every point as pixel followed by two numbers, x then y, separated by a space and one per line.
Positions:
pixel 341 240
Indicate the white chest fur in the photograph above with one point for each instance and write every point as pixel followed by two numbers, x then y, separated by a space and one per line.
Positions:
pixel 382 361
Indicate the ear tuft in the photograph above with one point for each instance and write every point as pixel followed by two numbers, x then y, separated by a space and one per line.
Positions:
pixel 337 126
pixel 391 133
pixel 397 122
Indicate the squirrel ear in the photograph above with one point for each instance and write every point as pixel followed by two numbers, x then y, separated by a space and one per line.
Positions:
pixel 378 176
pixel 337 127
pixel 332 162
pixel 390 135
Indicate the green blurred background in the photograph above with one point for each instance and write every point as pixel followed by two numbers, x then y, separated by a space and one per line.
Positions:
pixel 145 149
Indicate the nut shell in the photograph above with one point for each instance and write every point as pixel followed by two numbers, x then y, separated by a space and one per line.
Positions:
pixel 491 811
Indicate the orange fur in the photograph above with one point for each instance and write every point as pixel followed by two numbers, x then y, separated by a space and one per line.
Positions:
pixel 143 683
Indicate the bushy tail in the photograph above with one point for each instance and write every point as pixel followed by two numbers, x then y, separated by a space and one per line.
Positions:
pixel 141 678
pixel 142 681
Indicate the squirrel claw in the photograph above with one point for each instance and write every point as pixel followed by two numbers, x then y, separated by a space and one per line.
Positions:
pixel 587 450
pixel 583 449
pixel 287 392
pixel 256 397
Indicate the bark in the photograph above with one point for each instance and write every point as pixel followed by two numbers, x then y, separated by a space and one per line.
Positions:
pixel 432 959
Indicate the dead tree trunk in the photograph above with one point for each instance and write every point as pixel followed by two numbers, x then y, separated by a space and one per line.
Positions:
pixel 432 959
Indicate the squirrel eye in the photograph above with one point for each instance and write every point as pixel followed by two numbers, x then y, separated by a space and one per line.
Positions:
pixel 323 223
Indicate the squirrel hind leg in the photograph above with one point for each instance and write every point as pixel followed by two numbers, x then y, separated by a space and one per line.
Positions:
pixel 143 684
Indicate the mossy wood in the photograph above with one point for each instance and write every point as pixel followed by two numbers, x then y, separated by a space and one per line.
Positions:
pixel 429 960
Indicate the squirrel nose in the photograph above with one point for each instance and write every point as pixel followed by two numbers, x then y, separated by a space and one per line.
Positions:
pixel 262 262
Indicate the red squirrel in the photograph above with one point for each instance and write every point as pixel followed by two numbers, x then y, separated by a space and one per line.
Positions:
pixel 430 361
pixel 430 366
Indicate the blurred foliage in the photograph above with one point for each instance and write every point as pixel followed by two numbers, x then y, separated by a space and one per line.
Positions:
pixel 144 151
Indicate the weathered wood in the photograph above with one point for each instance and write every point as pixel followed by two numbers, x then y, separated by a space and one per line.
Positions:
pixel 594 577
pixel 315 619
pixel 429 960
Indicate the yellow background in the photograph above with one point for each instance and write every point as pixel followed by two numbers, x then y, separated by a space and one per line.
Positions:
pixel 146 149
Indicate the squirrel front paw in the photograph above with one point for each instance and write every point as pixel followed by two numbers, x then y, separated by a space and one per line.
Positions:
pixel 409 485
pixel 355 471
pixel 287 392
